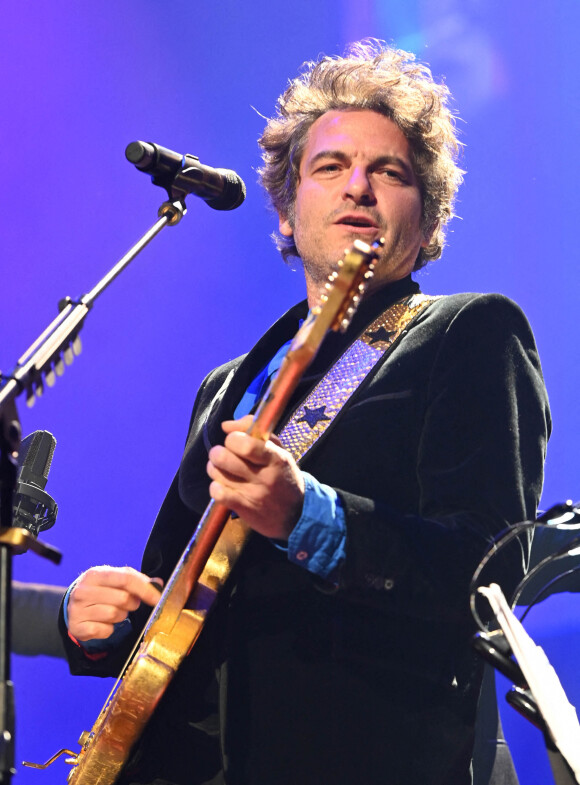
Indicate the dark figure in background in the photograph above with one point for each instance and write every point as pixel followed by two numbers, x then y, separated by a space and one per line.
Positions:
pixel 339 651
pixel 35 608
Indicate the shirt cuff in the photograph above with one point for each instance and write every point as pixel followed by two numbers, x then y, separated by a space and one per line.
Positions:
pixel 318 540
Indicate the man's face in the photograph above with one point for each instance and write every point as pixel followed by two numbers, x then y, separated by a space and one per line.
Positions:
pixel 356 181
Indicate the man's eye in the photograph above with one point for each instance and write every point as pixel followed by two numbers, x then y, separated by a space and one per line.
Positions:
pixel 328 168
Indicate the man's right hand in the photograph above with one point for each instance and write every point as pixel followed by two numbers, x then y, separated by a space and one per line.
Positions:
pixel 103 596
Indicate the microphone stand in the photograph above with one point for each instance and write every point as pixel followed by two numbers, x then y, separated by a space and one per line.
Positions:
pixel 9 442
pixel 38 364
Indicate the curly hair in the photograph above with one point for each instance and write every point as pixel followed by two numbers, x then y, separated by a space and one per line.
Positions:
pixel 382 79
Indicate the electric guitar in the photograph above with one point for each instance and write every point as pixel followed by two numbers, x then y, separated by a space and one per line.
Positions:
pixel 179 616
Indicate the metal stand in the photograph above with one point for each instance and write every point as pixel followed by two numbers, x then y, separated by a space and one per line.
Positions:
pixel 563 774
pixel 9 443
pixel 39 364
pixel 496 650
pixel 523 702
pixel 60 339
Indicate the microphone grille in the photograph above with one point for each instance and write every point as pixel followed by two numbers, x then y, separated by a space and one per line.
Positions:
pixel 233 194
pixel 36 452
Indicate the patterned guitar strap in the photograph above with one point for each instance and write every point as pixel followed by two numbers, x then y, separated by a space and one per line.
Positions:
pixel 311 420
pixel 315 415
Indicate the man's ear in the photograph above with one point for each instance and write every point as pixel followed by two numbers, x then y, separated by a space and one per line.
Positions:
pixel 428 234
pixel 284 226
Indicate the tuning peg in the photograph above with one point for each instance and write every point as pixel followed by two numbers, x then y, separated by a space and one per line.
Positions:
pixel 30 399
pixel 59 365
pixel 68 355
pixel 50 377
pixel 77 345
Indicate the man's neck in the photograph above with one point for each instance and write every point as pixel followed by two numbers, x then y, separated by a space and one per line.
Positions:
pixel 315 289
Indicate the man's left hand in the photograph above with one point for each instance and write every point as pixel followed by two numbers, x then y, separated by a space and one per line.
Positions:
pixel 260 481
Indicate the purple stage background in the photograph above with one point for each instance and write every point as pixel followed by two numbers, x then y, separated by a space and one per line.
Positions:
pixel 79 82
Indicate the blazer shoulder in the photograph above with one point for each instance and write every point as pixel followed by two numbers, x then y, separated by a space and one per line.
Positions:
pixel 217 376
pixel 452 304
pixel 492 311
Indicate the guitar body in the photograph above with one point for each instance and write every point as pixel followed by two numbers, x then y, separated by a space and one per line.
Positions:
pixel 106 749
pixel 123 718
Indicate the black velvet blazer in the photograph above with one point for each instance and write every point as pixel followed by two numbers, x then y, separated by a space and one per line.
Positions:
pixel 441 447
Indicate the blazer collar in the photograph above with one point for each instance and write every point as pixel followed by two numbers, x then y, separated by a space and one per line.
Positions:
pixel 284 330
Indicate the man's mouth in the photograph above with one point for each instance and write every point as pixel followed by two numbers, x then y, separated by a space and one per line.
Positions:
pixel 359 222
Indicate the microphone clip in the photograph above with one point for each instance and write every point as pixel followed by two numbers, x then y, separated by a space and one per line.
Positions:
pixel 34 509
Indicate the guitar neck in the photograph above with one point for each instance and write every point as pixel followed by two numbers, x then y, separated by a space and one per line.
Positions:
pixel 194 559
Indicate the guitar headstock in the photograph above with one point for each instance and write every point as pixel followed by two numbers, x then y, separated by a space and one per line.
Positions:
pixel 342 294
pixel 48 367
pixel 42 362
pixel 347 283
pixel 338 303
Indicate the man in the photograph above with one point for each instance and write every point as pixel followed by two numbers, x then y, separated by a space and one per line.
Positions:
pixel 339 650
pixel 34 614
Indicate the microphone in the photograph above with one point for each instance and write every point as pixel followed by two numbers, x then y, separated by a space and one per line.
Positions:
pixel 33 509
pixel 222 189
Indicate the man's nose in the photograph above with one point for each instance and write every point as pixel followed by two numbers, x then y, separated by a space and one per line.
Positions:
pixel 359 188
